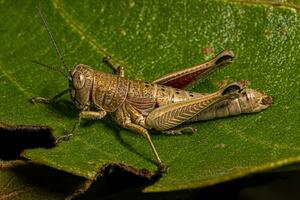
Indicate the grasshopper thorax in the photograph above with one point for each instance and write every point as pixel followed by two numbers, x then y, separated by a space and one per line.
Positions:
pixel 81 84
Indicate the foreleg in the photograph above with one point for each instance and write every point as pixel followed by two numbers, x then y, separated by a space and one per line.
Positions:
pixel 46 100
pixel 82 115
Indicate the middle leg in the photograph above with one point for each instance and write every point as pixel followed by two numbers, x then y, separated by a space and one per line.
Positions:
pixel 180 130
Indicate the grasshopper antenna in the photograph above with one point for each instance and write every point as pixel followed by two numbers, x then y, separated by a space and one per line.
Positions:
pixel 62 60
pixel 50 67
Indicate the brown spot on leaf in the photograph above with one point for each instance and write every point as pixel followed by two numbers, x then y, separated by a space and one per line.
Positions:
pixel 220 146
pixel 207 51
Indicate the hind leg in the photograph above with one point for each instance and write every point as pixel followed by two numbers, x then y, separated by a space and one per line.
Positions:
pixel 118 69
pixel 124 119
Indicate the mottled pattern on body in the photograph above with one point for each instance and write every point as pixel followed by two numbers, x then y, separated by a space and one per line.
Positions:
pixel 144 97
pixel 109 91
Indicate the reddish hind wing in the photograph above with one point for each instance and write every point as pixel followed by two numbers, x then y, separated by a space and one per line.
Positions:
pixel 182 78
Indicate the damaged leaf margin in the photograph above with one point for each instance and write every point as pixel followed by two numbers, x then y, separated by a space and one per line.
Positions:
pixel 164 185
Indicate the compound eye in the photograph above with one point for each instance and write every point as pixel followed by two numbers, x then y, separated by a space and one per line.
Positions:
pixel 78 80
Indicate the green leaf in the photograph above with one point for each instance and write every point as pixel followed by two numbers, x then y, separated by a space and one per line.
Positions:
pixel 152 38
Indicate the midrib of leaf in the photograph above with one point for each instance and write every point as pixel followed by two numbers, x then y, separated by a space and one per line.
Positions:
pixel 15 82
pixel 79 29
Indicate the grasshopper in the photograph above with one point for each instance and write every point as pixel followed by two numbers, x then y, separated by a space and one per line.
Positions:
pixel 162 104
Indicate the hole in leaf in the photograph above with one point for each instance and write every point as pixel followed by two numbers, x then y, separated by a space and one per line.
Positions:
pixel 15 139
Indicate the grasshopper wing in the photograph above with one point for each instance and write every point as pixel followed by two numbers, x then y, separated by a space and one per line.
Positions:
pixel 172 115
pixel 183 78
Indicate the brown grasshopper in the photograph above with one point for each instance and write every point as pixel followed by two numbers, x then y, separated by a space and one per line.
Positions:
pixel 162 105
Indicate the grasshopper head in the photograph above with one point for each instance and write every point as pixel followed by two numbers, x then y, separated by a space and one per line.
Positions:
pixel 81 83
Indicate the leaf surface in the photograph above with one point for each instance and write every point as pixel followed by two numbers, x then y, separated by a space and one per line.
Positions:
pixel 152 38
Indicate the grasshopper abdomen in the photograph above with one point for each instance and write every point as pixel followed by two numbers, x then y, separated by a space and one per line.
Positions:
pixel 249 101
